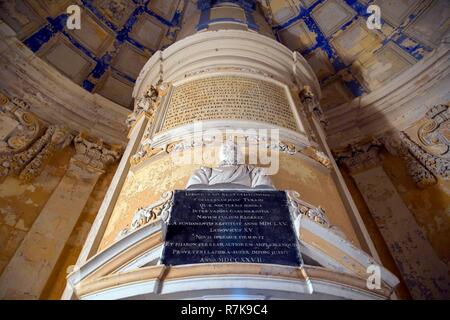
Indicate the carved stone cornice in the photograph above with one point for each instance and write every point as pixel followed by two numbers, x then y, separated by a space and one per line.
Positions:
pixel 93 154
pixel 437 165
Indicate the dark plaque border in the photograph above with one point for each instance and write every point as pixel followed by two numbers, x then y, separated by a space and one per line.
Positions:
pixel 229 226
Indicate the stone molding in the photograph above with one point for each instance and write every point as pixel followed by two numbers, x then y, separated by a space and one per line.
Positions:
pixel 146 151
pixel 423 166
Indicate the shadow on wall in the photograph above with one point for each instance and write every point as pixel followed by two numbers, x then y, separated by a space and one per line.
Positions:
pixel 400 185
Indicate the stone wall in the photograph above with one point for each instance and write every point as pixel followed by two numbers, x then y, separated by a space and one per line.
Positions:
pixel 22 202
pixel 68 258
pixel 403 178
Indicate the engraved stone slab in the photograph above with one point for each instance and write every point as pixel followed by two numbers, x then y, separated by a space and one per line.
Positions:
pixel 229 97
pixel 226 226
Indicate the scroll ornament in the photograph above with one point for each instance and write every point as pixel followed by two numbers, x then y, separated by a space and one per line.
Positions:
pixel 434 134
pixel 431 158
pixel 144 215
pixel 317 214
pixel 26 144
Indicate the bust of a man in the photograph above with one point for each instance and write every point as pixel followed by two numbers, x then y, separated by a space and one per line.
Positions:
pixel 231 172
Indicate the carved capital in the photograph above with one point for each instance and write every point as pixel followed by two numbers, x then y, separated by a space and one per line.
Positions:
pixel 57 138
pixel 359 157
pixel 94 154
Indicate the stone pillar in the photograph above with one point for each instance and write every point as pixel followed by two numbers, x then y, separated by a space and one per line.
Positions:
pixel 425 275
pixel 29 270
pixel 138 124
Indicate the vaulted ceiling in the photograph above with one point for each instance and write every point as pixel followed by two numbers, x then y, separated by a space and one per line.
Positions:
pixel 118 36
pixel 116 39
pixel 349 59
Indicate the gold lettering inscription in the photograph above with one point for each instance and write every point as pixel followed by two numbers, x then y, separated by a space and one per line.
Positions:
pixel 229 97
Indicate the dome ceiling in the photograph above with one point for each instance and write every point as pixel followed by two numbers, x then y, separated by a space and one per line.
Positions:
pixel 118 37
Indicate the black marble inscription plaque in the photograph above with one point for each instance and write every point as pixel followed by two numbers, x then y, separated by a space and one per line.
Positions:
pixel 214 226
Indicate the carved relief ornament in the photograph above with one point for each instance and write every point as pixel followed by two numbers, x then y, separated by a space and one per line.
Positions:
pixel 434 134
pixel 25 143
pixel 148 103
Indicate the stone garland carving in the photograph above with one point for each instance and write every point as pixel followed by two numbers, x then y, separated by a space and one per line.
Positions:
pixel 94 154
pixel 157 210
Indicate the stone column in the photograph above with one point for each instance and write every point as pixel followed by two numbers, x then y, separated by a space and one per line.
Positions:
pixel 29 270
pixel 426 276
pixel 314 113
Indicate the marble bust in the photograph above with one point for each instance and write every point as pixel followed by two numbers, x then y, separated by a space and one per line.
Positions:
pixel 231 173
